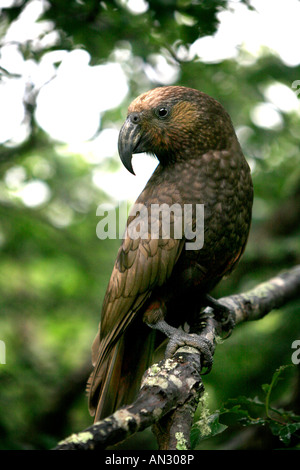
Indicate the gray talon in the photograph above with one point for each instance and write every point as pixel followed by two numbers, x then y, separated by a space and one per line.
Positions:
pixel 179 338
pixel 223 314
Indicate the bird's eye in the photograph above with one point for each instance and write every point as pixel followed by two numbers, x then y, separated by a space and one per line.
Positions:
pixel 162 112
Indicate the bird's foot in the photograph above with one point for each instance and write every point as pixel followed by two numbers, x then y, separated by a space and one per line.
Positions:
pixel 223 314
pixel 179 338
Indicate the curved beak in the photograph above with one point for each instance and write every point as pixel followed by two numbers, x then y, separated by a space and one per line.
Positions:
pixel 129 138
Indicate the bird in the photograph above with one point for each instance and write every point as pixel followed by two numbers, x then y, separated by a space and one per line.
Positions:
pixel 158 285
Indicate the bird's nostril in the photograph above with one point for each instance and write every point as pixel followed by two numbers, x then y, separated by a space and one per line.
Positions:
pixel 135 118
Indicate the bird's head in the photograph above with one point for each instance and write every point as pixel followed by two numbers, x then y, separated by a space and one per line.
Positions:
pixel 174 122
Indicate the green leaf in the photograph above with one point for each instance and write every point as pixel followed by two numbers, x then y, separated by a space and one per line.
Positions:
pixel 241 409
pixel 284 431
pixel 204 430
pixel 266 388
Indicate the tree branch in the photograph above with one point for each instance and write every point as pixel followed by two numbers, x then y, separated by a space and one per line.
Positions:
pixel 171 389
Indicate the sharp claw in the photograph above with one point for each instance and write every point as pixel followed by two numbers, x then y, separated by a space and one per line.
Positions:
pixel 223 314
pixel 228 325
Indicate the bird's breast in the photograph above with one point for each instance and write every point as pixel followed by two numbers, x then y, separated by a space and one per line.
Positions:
pixel 221 183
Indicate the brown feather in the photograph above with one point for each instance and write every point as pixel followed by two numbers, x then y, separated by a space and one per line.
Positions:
pixel 139 267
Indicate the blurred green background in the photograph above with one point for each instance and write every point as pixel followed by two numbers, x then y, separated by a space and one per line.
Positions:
pixel 68 71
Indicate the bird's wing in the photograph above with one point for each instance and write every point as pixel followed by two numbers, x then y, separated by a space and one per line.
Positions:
pixel 141 265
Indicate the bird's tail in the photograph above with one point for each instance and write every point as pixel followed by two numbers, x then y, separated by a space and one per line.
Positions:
pixel 116 381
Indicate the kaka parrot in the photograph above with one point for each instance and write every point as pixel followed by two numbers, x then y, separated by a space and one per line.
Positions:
pixel 157 285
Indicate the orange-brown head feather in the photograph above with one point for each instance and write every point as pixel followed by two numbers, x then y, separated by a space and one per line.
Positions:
pixel 173 122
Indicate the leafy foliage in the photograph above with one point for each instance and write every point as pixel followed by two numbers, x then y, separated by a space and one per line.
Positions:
pixel 248 412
